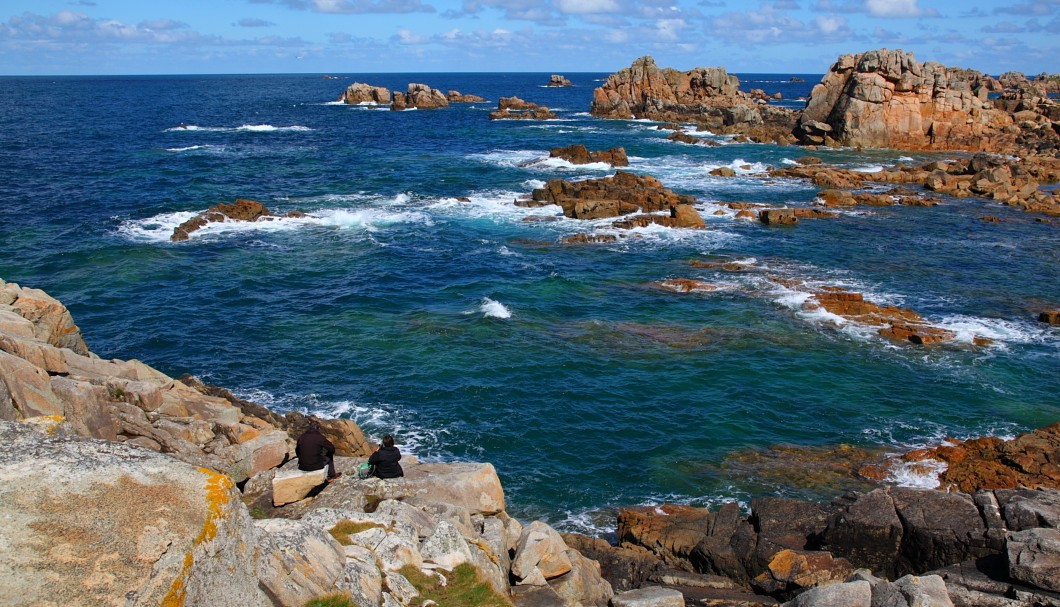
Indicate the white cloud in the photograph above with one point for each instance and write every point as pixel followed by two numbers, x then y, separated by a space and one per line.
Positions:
pixel 893 8
pixel 585 7
pixel 829 25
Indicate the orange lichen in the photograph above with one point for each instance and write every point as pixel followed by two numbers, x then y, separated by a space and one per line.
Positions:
pixel 218 495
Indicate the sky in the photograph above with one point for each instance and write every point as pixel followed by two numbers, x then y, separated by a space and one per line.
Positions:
pixel 79 37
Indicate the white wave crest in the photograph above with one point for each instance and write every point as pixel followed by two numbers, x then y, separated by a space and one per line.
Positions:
pixel 251 128
pixel 494 309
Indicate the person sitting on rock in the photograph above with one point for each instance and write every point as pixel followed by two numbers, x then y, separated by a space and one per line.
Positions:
pixel 385 460
pixel 315 451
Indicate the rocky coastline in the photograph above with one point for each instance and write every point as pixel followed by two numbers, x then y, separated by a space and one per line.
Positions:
pixel 166 485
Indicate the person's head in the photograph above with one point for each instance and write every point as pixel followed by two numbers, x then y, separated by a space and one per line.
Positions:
pixel 388 441
pixel 313 426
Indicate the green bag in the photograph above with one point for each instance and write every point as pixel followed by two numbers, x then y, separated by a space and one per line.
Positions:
pixel 365 470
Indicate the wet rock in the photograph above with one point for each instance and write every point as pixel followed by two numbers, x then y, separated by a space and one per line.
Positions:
pixel 579 154
pixel 1051 317
pixel 514 108
pixel 622 194
pixel 778 216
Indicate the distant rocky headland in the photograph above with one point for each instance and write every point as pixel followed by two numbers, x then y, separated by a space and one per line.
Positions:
pixel 882 98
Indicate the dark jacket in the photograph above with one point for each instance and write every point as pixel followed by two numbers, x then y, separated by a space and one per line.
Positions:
pixel 386 463
pixel 314 450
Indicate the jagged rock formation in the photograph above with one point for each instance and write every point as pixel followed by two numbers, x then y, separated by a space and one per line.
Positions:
pixel 579 154
pixel 152 514
pixel 361 93
pixel 419 96
pixel 558 80
pixel 241 210
pixel 786 546
pixel 514 108
pixel 1013 182
pixel 623 194
pixel 886 99
pixel 708 96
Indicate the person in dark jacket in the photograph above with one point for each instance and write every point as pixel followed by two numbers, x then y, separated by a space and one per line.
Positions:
pixel 385 460
pixel 315 451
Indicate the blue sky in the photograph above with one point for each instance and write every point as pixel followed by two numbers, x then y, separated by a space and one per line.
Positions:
pixel 556 36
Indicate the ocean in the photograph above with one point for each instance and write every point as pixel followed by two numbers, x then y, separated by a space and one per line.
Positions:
pixel 471 333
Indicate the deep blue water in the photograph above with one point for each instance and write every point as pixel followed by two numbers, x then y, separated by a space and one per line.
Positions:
pixel 457 327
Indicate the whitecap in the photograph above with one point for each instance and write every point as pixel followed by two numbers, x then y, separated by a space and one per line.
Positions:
pixel 494 309
pixel 268 128
pixel 868 168
pixel 923 474
pixel 189 148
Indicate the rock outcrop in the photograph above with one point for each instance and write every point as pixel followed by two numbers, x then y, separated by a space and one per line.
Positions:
pixel 618 196
pixel 887 99
pixel 558 80
pixel 514 108
pixel 788 547
pixel 92 522
pixel 419 96
pixel 120 485
pixel 579 154
pixel 708 96
pixel 241 210
pixel 360 93
pixel 458 97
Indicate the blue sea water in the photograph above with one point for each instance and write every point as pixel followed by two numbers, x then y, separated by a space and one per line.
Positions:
pixel 470 333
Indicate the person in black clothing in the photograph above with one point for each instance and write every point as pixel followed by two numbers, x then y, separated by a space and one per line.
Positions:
pixel 385 460
pixel 315 451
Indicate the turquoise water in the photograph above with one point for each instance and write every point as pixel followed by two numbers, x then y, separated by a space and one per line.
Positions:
pixel 467 331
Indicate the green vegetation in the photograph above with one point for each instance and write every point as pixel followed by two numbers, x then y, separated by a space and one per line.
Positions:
pixel 344 529
pixel 464 588
pixel 117 393
pixel 332 600
pixel 371 502
pixel 258 513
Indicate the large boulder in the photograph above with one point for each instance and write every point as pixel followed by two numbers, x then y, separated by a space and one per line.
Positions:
pixel 867 531
pixel 360 93
pixel 886 99
pixel 1034 557
pixel 622 194
pixel 420 96
pixel 52 323
pixel 90 522
pixel 298 561
pixel 541 554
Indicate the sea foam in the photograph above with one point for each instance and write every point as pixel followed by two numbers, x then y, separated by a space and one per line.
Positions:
pixel 494 309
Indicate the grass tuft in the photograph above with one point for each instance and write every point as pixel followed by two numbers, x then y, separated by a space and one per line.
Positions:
pixel 332 600
pixel 464 588
pixel 344 529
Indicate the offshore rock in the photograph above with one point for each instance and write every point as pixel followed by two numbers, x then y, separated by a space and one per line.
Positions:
pixel 514 108
pixel 579 154
pixel 361 93
pixel 886 99
pixel 419 96
pixel 708 96
pixel 91 522
pixel 558 80
pixel 622 194
pixel 458 97
pixel 241 210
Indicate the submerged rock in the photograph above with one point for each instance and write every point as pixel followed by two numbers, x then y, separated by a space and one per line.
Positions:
pixel 242 209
